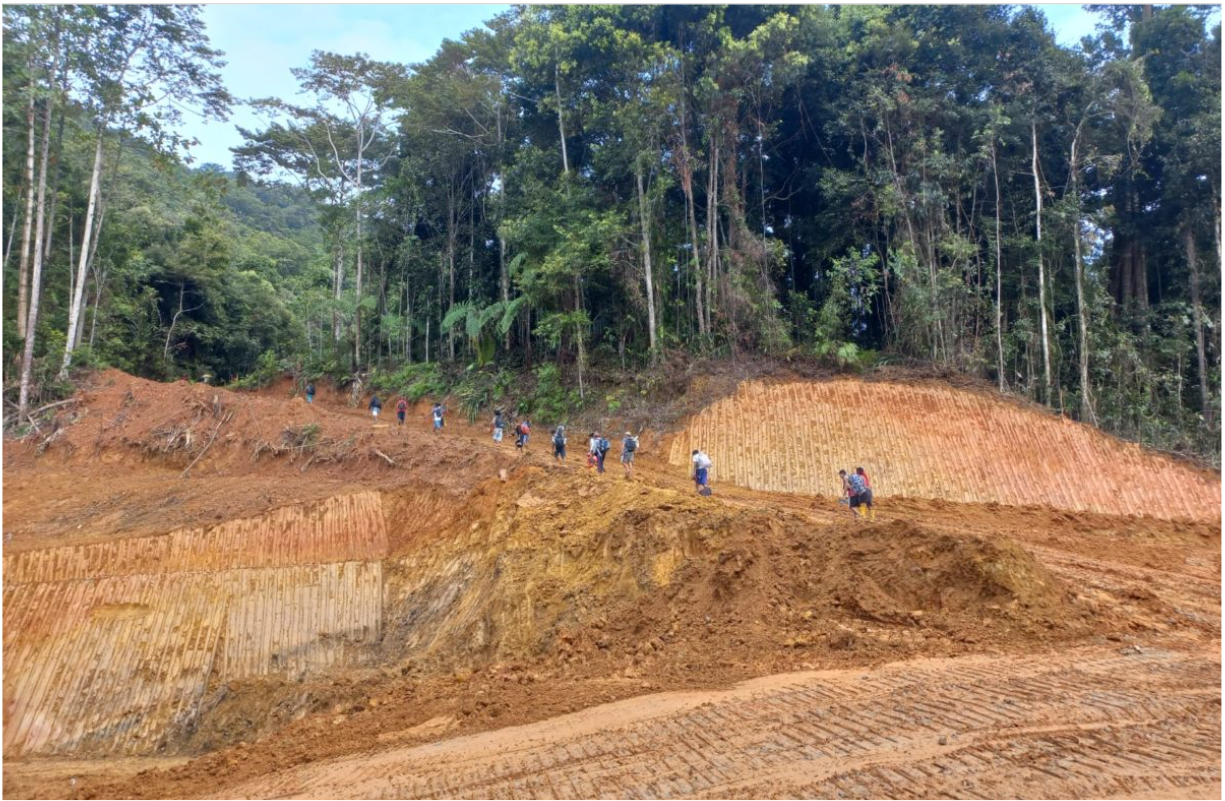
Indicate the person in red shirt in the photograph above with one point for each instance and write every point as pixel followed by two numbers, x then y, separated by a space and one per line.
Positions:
pixel 864 475
pixel 401 409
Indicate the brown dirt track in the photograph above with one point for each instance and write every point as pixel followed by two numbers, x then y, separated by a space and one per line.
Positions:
pixel 315 621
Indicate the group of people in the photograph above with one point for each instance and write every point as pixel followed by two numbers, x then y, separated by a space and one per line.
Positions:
pixel 438 413
pixel 857 488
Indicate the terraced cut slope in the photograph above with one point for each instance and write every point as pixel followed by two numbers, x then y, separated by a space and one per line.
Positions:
pixel 935 441
pixel 382 611
pixel 110 647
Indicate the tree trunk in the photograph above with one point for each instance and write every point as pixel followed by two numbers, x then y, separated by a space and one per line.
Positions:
pixel 561 124
pixel 1188 241
pixel 357 306
pixel 645 221
pixel 338 280
pixel 78 295
pixel 686 174
pixel 23 280
pixel 8 242
pixel 452 223
pixel 999 274
pixel 1046 346
pixel 36 271
pixel 1086 391
pixel 504 280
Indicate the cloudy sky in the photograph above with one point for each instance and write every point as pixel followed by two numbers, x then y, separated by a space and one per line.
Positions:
pixel 262 42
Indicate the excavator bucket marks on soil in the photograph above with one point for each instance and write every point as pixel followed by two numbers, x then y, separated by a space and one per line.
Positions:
pixel 135 631
pixel 936 442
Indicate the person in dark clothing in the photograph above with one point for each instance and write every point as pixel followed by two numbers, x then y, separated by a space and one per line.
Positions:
pixel 310 392
pixel 559 443
pixel 376 405
pixel 628 445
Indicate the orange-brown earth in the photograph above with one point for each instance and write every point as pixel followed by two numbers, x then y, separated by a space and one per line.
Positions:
pixel 321 596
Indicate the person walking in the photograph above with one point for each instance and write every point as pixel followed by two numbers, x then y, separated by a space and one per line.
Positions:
pixel 593 446
pixel 628 445
pixel 865 495
pixel 376 405
pixel 603 446
pixel 858 492
pixel 310 392
pixel 401 409
pixel 701 472
pixel 499 425
pixel 439 420
pixel 523 430
pixel 559 443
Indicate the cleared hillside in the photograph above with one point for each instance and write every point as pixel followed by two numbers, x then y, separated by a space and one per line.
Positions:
pixel 939 442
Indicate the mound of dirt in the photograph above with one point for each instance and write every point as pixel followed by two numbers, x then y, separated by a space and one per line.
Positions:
pixel 554 568
pixel 897 571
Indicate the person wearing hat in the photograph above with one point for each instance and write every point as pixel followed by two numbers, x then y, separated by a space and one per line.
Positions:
pixel 628 446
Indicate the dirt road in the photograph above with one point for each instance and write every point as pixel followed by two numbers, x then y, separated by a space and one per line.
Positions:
pixel 1089 722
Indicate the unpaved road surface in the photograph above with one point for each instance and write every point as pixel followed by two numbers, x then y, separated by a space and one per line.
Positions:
pixel 1103 721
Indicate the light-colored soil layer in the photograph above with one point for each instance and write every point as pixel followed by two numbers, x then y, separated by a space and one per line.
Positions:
pixel 935 441
pixel 302 620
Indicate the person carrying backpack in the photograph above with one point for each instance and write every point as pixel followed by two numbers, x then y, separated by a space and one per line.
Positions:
pixel 437 413
pixel 701 472
pixel 499 425
pixel 603 446
pixel 401 409
pixel 522 432
pixel 859 494
pixel 310 392
pixel 628 446
pixel 376 405
pixel 559 443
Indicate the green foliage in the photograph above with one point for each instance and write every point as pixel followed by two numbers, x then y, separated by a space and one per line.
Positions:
pixel 552 402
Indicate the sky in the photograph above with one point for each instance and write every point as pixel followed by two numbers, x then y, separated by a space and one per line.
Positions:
pixel 263 41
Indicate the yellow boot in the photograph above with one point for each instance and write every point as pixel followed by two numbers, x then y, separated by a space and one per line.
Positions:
pixel 871 512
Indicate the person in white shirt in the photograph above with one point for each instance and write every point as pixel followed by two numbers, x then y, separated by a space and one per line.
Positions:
pixel 701 472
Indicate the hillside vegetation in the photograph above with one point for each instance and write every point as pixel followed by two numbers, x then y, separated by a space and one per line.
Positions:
pixel 573 190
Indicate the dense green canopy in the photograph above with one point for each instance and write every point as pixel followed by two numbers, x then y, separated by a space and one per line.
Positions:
pixel 590 185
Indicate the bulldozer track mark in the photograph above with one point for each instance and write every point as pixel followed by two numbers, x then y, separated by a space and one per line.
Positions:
pixel 935 442
pixel 920 729
pixel 342 528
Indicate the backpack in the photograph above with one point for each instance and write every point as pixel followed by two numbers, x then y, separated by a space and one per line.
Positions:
pixel 631 444
pixel 604 445
pixel 523 429
pixel 559 437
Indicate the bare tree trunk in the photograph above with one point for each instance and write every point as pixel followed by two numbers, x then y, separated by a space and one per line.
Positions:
pixel 173 321
pixel 999 277
pixel 36 271
pixel 357 307
pixel 504 279
pixel 561 123
pixel 23 280
pixel 452 223
pixel 338 280
pixel 8 242
pixel 1046 346
pixel 645 221
pixel 695 258
pixel 1188 241
pixel 1086 393
pixel 78 295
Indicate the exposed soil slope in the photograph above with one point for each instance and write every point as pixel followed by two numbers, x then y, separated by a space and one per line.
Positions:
pixel 320 584
pixel 934 441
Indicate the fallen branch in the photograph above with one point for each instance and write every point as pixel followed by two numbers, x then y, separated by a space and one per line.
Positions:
pixel 211 440
pixel 390 461
pixel 53 405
